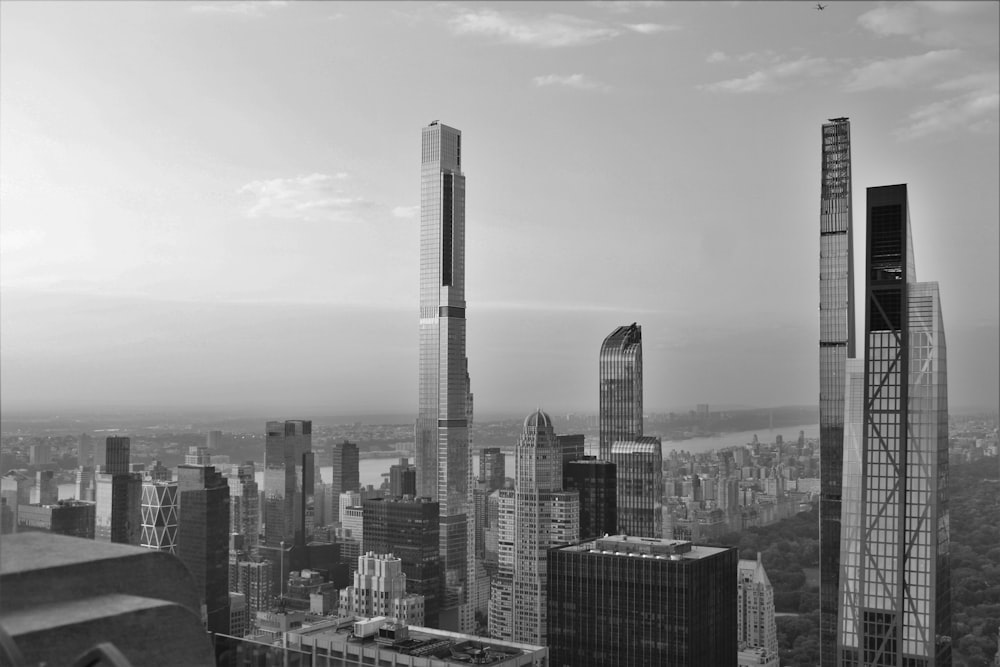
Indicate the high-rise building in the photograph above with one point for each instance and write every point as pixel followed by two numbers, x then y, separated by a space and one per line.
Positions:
pixel 255 581
pixel 622 601
pixel 639 466
pixel 402 479
pixel 159 511
pixel 756 631
pixel 86 484
pixel 443 457
pixel 288 482
pixel 535 515
pixel 346 475
pixel 85 450
pixel 118 516
pixel 380 590
pixel 597 483
pixel 244 505
pixel 836 345
pixel 492 468
pixel 116 454
pixel 64 517
pixel 213 440
pixel 203 538
pixel 45 491
pixel 39 454
pixel 573 447
pixel 895 592
pixel 620 408
pixel 409 528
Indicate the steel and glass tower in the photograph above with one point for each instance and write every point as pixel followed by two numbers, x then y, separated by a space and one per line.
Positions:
pixel 895 590
pixel 836 345
pixel 620 408
pixel 288 482
pixel 443 457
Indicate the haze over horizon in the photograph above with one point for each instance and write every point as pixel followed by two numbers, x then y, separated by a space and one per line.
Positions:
pixel 214 205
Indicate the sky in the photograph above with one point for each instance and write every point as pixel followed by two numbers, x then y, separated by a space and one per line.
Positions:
pixel 216 205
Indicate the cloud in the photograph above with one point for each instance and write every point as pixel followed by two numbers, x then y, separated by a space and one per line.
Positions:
pixel 776 77
pixel 311 197
pixel 577 81
pixel 248 8
pixel 650 28
pixel 552 31
pixel 935 23
pixel 905 72
pixel 716 57
pixel 406 212
pixel 626 6
pixel 975 111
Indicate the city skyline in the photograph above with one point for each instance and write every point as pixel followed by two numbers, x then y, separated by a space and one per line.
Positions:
pixel 156 205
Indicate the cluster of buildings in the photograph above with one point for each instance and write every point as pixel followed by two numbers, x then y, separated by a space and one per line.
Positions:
pixel 578 560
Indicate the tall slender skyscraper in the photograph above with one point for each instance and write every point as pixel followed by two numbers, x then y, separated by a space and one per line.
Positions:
pixel 620 409
pixel 443 458
pixel 836 344
pixel 895 593
pixel 288 482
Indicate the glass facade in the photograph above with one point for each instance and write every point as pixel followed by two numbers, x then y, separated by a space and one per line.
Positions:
pixel 639 465
pixel 288 482
pixel 836 345
pixel 597 484
pixel 346 472
pixel 627 602
pixel 443 456
pixel 895 600
pixel 620 400
pixel 159 516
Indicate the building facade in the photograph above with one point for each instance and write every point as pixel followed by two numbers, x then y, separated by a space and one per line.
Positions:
pixel 492 468
pixel 639 468
pixel 116 454
pixel 345 462
pixel 380 590
pixel 836 345
pixel 288 482
pixel 535 515
pixel 160 510
pixel 443 456
pixel 757 633
pixel 63 517
pixel 244 505
pixel 620 400
pixel 894 579
pixel 622 601
pixel 118 516
pixel 597 483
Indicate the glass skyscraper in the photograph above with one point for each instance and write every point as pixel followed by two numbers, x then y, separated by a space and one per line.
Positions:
pixel 639 468
pixel 895 591
pixel 288 482
pixel 836 345
pixel 620 406
pixel 443 456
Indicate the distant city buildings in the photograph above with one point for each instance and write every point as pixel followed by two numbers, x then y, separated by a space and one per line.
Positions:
pixel 244 505
pixel 74 518
pixel 492 468
pixel 402 479
pixel 894 567
pixel 622 601
pixel 444 397
pixel 757 634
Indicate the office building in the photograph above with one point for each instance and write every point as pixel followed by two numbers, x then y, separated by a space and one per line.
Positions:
pixel 86 483
pixel 85 450
pixel 622 601
pixel 757 633
pixel 402 479
pixel 443 457
pixel 213 441
pixel 118 516
pixel 160 511
pixel 116 454
pixel 74 518
pixel 244 505
pixel 572 447
pixel 39 454
pixel 620 404
pixel 288 482
pixel 238 614
pixel 535 515
pixel 380 590
pixel 894 579
pixel 255 581
pixel 597 483
pixel 836 345
pixel 346 475
pixel 203 538
pixel 15 487
pixel 409 528
pixel 492 468
pixel 639 466
pixel 45 491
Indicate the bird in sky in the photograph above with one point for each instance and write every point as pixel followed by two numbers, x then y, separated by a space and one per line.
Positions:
pixel 820 7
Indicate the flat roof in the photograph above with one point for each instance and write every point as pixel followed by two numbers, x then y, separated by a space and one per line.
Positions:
pixel 648 547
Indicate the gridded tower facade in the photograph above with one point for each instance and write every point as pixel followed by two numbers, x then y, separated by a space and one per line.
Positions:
pixel 620 404
pixel 639 465
pixel 443 457
pixel 288 482
pixel 346 474
pixel 116 454
pixel 492 468
pixel 244 506
pixel 533 516
pixel 117 514
pixel 895 588
pixel 597 484
pixel 756 630
pixel 637 602
pixel 160 511
pixel 836 345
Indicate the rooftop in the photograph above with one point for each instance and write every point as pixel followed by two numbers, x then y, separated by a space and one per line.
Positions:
pixel 645 547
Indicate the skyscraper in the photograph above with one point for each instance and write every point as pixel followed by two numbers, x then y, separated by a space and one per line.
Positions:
pixel 756 630
pixel 443 458
pixel 639 468
pixel 346 475
pixel 597 483
pixel 895 589
pixel 159 513
pixel 116 454
pixel 534 516
pixel 836 345
pixel 118 516
pixel 288 481
pixel 492 468
pixel 380 590
pixel 244 505
pixel 620 408
pixel 628 602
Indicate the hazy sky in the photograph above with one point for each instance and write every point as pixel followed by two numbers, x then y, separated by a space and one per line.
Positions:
pixel 215 205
